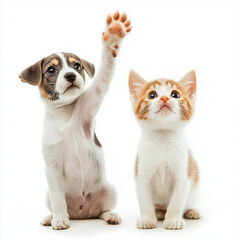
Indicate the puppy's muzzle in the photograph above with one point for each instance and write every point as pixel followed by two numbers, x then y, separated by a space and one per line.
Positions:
pixel 70 77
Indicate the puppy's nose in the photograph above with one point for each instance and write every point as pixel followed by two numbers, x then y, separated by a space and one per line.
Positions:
pixel 70 77
pixel 164 98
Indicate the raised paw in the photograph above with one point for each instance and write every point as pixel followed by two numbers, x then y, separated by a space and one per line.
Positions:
pixel 47 220
pixel 192 214
pixel 174 223
pixel 117 26
pixel 147 223
pixel 60 224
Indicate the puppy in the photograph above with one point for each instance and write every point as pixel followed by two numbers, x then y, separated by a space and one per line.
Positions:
pixel 78 188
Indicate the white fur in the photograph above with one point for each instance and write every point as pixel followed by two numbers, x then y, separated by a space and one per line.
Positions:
pixel 162 180
pixel 62 84
pixel 74 164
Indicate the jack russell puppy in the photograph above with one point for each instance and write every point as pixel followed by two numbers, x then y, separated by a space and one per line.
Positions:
pixel 78 188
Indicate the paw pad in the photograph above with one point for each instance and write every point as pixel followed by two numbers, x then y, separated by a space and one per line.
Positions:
pixel 117 28
pixel 118 25
pixel 116 15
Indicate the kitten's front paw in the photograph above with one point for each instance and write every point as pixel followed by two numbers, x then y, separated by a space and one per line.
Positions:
pixel 174 223
pixel 60 224
pixel 116 29
pixel 147 223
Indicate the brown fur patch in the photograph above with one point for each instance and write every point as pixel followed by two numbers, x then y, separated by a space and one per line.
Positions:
pixel 71 60
pixel 47 85
pixel 193 171
pixel 55 62
pixel 43 92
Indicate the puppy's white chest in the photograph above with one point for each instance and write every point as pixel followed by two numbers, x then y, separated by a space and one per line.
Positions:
pixel 82 162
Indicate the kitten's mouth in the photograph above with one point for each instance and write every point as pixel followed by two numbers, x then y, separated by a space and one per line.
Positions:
pixel 165 108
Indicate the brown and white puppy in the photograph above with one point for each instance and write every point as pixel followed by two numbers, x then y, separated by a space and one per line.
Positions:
pixel 74 159
pixel 57 74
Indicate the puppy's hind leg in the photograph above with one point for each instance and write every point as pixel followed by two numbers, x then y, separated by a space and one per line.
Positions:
pixel 109 203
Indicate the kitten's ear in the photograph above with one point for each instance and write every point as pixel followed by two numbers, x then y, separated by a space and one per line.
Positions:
pixel 136 83
pixel 189 83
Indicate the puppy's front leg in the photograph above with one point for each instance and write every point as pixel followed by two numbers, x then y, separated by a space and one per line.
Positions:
pixel 57 195
pixel 117 26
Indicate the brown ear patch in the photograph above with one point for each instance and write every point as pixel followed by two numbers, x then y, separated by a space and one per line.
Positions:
pixel 32 74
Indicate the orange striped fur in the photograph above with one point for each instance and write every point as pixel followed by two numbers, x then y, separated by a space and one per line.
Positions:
pixel 193 171
pixel 141 101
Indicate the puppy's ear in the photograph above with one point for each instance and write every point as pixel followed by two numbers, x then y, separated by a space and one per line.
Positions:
pixel 88 67
pixel 32 74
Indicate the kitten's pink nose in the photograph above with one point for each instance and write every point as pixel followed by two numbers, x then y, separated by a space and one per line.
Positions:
pixel 164 98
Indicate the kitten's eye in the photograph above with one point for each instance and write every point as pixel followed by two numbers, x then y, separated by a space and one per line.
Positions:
pixel 77 66
pixel 52 71
pixel 175 94
pixel 152 95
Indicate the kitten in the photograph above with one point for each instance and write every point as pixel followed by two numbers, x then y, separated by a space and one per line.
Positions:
pixel 166 175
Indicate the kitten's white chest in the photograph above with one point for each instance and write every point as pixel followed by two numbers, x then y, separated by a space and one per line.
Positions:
pixel 162 155
pixel 162 185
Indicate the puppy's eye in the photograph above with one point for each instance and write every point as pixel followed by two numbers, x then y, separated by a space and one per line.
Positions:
pixel 52 71
pixel 175 94
pixel 77 66
pixel 152 95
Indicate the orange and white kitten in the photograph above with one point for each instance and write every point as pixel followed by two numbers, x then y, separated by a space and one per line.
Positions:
pixel 166 175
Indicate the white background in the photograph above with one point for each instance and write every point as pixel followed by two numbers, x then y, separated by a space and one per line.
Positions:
pixel 168 39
